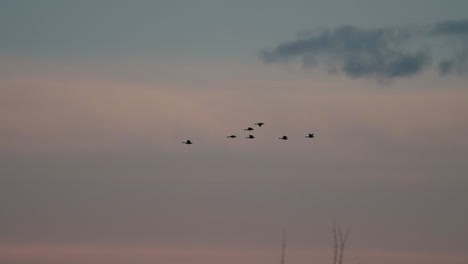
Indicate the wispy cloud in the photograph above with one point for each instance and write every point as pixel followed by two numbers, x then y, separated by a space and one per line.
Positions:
pixel 380 53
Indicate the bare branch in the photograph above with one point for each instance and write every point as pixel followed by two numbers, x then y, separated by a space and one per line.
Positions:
pixel 340 239
pixel 283 249
pixel 342 243
pixel 335 242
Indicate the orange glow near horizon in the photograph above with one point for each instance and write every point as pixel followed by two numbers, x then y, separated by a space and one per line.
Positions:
pixel 102 253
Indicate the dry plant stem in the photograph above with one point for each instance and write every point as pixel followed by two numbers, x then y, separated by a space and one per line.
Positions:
pixel 339 239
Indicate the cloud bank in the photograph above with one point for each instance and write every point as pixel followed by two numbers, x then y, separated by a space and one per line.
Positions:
pixel 380 53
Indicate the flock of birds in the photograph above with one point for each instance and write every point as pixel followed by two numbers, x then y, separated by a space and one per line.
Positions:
pixel 189 142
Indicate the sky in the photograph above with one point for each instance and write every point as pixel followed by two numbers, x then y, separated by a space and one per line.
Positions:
pixel 96 98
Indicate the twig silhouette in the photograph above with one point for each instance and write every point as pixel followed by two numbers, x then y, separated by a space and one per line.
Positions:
pixel 339 242
pixel 283 249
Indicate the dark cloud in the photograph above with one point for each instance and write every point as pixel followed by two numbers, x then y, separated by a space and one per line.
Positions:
pixel 455 65
pixel 380 53
pixel 457 34
pixel 459 27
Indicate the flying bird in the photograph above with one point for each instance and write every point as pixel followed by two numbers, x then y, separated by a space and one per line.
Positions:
pixel 250 136
pixel 284 138
pixel 259 124
pixel 188 142
pixel 232 136
pixel 249 129
pixel 310 136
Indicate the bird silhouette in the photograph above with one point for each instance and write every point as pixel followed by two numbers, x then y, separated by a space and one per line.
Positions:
pixel 188 142
pixel 249 129
pixel 284 138
pixel 259 124
pixel 232 136
pixel 250 136
pixel 310 136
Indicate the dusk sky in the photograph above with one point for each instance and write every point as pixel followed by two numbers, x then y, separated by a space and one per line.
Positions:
pixel 96 98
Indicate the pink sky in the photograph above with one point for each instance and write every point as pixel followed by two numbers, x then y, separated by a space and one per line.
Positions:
pixel 80 150
pixel 101 253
